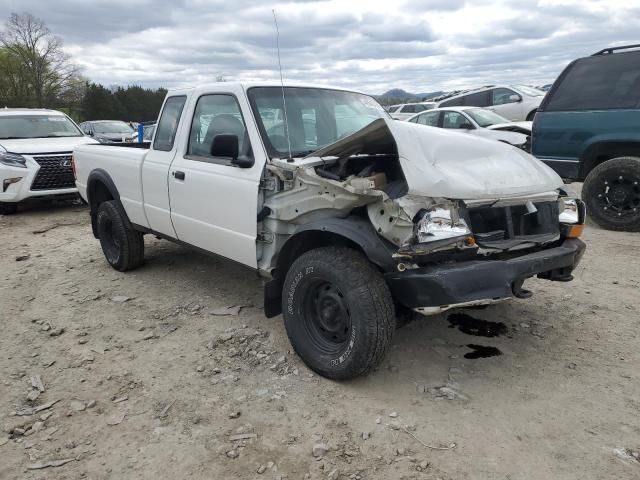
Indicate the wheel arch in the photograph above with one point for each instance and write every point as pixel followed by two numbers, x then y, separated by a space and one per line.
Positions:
pixel 352 232
pixel 101 188
pixel 599 152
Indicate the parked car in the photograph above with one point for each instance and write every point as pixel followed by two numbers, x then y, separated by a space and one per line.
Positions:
pixel 515 102
pixel 348 231
pixel 407 110
pixel 110 131
pixel 478 121
pixel 588 129
pixel 35 155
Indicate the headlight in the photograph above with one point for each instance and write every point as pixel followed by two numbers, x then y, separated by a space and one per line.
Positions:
pixel 569 211
pixel 572 217
pixel 13 160
pixel 440 224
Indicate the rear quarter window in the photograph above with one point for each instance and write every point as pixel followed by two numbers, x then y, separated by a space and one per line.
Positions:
pixel 601 82
pixel 454 102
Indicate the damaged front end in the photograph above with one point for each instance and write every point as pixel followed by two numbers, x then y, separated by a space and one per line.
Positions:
pixel 455 233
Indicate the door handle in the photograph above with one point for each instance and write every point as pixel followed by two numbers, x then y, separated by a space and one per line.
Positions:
pixel 178 175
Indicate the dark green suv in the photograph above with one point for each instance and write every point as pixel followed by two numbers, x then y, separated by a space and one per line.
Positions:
pixel 588 129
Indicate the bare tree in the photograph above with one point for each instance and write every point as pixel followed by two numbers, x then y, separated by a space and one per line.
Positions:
pixel 44 68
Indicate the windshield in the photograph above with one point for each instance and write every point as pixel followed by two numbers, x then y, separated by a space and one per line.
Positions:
pixel 316 117
pixel 37 126
pixel 112 127
pixel 485 118
pixel 530 91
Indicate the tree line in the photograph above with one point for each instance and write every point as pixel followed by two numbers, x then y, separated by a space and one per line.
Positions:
pixel 35 72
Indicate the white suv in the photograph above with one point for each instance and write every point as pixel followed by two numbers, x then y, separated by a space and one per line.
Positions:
pixel 514 102
pixel 407 110
pixel 35 155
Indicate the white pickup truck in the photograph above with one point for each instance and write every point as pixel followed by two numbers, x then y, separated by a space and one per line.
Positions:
pixel 351 216
pixel 35 155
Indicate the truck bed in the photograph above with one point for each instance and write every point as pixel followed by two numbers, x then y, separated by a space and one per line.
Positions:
pixel 123 164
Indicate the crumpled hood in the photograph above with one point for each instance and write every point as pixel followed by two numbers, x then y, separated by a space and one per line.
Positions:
pixel 44 145
pixel 440 163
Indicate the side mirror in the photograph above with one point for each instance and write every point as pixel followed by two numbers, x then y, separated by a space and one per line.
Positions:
pixel 226 145
pixel 514 98
pixel 466 126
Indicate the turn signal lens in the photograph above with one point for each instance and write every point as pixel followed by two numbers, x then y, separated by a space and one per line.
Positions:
pixel 574 231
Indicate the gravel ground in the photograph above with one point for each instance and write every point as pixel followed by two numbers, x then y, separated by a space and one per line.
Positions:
pixel 153 375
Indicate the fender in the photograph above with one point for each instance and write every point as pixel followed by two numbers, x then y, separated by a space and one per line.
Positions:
pixel 101 188
pixel 610 145
pixel 353 231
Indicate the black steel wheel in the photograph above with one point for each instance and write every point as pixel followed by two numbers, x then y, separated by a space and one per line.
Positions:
pixel 612 194
pixel 338 312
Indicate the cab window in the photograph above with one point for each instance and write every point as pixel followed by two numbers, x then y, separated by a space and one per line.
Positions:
pixel 168 124
pixel 214 115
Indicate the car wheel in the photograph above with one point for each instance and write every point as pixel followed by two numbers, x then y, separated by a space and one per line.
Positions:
pixel 122 246
pixel 338 312
pixel 8 208
pixel 611 192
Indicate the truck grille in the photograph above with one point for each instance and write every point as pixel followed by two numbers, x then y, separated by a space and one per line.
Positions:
pixel 505 227
pixel 55 172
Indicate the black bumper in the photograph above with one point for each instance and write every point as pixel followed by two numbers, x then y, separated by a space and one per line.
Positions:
pixel 482 279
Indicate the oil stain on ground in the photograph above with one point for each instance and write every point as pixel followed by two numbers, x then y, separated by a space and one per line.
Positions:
pixel 481 351
pixel 475 326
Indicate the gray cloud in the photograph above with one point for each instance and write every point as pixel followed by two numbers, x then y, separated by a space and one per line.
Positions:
pixel 419 45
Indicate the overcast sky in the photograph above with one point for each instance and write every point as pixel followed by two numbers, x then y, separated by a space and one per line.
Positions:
pixel 370 45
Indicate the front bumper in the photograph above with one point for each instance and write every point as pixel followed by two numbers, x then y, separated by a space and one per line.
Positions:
pixel 22 180
pixel 481 281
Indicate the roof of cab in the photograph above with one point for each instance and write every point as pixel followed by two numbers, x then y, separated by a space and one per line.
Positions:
pixel 247 85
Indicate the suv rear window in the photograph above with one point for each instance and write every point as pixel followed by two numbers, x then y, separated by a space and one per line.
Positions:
pixel 601 82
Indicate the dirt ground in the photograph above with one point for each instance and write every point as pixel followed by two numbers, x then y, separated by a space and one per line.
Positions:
pixel 149 380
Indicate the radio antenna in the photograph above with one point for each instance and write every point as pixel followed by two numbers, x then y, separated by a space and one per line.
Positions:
pixel 284 100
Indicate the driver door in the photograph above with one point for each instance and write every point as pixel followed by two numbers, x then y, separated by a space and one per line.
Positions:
pixel 214 202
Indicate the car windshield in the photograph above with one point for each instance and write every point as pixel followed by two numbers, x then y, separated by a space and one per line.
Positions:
pixel 315 117
pixel 37 126
pixel 112 127
pixel 530 91
pixel 485 118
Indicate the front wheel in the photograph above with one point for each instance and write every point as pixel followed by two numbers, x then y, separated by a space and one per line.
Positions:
pixel 338 312
pixel 611 192
pixel 122 246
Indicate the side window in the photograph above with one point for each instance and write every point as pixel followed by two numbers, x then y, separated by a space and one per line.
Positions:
pixel 502 96
pixel 419 108
pixel 429 118
pixel 217 114
pixel 409 109
pixel 480 99
pixel 454 102
pixel 168 124
pixel 601 82
pixel 453 120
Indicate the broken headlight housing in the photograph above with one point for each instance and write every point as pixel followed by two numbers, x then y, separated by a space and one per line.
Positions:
pixel 440 224
pixel 12 159
pixel 572 216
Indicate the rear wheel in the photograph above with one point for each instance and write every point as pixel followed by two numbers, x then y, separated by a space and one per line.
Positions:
pixel 612 194
pixel 122 246
pixel 7 208
pixel 338 312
